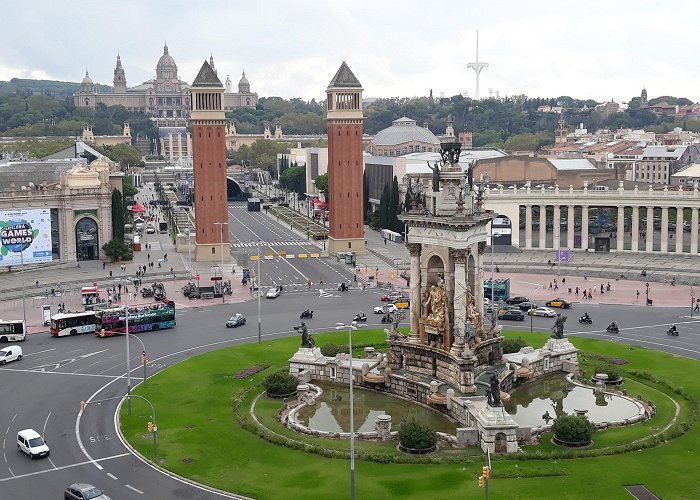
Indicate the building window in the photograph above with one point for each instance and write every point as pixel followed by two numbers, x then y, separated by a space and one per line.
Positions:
pixel 213 250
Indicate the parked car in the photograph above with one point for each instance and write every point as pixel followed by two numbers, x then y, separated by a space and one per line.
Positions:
pixel 542 311
pixel 30 442
pixel 84 491
pixel 514 314
pixel 391 297
pixel 402 303
pixel 235 321
pixel 526 306
pixel 388 308
pixel 516 300
pixel 10 353
pixel 273 293
pixel 563 303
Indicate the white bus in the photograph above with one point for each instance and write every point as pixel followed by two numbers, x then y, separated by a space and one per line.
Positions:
pixel 63 324
pixel 12 330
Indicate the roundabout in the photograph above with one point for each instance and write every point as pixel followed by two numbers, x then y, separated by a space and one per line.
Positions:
pixel 210 432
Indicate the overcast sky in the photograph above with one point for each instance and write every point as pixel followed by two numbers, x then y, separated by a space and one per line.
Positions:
pixel 598 49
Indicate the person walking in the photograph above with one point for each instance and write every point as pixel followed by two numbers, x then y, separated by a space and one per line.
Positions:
pixel 638 296
pixel 577 291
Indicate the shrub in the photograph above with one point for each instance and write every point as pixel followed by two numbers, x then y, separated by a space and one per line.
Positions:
pixel 417 436
pixel 573 429
pixel 280 384
pixel 612 371
pixel 331 350
pixel 513 345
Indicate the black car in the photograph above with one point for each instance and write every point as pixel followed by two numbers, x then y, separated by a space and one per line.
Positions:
pixel 526 306
pixel 513 314
pixel 235 320
pixel 511 301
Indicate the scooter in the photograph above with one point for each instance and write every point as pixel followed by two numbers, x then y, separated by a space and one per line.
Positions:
pixel 387 318
pixel 306 314
pixel 613 328
pixel 672 332
pixel 360 317
pixel 586 319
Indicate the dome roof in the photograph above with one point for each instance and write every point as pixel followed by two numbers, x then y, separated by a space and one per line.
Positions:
pixel 243 80
pixel 166 62
pixel 87 80
pixel 402 131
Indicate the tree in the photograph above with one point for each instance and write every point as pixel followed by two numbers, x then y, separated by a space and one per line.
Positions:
pixel 117 250
pixel 294 179
pixel 384 212
pixel 322 184
pixel 573 429
pixel 129 190
pixel 118 215
pixel 124 154
pixel 394 223
pixel 365 199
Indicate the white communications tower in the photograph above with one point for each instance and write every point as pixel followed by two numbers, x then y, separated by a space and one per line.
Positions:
pixel 477 66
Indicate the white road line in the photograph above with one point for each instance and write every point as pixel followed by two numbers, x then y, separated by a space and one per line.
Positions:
pixel 38 352
pixel 43 431
pixel 109 474
pixel 134 489
pixel 3 453
pixel 13 474
pixel 8 429
pixel 51 462
pixel 65 373
pixel 13 419
pixel 96 362
pixel 78 464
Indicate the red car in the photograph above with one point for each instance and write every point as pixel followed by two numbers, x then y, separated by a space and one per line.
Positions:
pixel 390 297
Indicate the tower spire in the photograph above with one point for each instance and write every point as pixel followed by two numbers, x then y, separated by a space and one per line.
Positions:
pixel 477 65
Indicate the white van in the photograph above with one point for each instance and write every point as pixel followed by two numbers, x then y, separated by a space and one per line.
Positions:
pixel 10 353
pixel 30 442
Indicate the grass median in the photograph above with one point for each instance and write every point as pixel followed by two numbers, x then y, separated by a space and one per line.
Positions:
pixel 200 403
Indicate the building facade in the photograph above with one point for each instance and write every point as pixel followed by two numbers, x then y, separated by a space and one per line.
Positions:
pixel 208 123
pixel 345 120
pixel 165 96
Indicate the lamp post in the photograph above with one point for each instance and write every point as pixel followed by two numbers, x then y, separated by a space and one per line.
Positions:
pixel 532 300
pixel 352 326
pixel 189 250
pixel 143 358
pixel 259 291
pixel 692 296
pixel 128 356
pixel 221 226
pixel 24 302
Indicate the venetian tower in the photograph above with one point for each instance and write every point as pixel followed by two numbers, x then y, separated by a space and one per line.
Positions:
pixel 119 77
pixel 208 122
pixel 345 163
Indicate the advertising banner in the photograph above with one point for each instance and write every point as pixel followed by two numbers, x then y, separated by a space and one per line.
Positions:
pixel 501 231
pixel 25 235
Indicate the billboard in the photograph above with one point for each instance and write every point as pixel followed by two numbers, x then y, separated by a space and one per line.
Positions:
pixel 501 231
pixel 25 235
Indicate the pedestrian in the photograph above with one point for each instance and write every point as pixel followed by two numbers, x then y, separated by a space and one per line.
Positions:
pixel 601 288
pixel 355 277
pixel 37 283
pixel 148 256
pixel 110 273
pixel 550 285
pixel 165 257
pixel 585 276
pixel 563 281
pixel 119 287
pixel 576 291
pixel 126 288
pixel 104 264
pixel 308 282
pixel 638 296
pixel 385 241
pixel 320 281
pixel 697 305
pixel 590 296
pixel 144 268
pixel 585 295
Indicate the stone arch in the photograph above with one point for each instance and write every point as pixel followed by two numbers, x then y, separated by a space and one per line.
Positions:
pixel 435 266
pixel 87 239
pixel 233 189
pixel 500 443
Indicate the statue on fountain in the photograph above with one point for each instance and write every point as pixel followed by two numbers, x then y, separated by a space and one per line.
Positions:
pixel 494 394
pixel 436 175
pixel 306 339
pixel 435 306
pixel 472 314
pixel 558 328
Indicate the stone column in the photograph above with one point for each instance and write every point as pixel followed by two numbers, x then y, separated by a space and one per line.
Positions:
pixel 414 249
pixel 679 230
pixel 179 147
pixel 694 232
pixel 584 228
pixel 570 226
pixel 479 284
pixel 528 227
pixel 620 229
pixel 459 256
pixel 170 146
pixel 664 230
pixel 650 230
pixel 543 227
pixel 556 227
pixel 189 146
pixel 635 229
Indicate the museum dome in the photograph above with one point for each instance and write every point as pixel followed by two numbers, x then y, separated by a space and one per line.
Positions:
pixel 87 80
pixel 243 84
pixel 166 69
pixel 402 131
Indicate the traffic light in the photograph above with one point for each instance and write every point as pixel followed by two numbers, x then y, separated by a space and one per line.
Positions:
pixel 486 471
pixel 150 426
pixel 481 481
pixel 82 406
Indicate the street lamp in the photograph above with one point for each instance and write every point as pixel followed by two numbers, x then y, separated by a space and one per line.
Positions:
pixel 24 302
pixel 692 296
pixel 128 356
pixel 221 226
pixel 259 292
pixel 189 250
pixel 532 301
pixel 352 326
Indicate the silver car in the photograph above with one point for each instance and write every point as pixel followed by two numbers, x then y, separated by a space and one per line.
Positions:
pixel 84 491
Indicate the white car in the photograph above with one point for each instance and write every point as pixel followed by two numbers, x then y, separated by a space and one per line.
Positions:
pixel 30 442
pixel 150 229
pixel 543 311
pixel 10 353
pixel 388 308
pixel 273 293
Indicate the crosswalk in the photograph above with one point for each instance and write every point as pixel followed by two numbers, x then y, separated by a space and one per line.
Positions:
pixel 253 244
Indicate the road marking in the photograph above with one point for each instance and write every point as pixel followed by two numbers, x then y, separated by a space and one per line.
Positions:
pixel 133 489
pixel 13 419
pixel 38 352
pixel 78 464
pixel 65 373
pixel 59 364
pixel 3 453
pixel 109 474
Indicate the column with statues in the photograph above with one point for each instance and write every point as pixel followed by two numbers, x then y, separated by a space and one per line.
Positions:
pixel 479 277
pixel 459 257
pixel 414 250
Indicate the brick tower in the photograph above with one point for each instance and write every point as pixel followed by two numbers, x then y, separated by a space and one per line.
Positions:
pixel 345 163
pixel 208 122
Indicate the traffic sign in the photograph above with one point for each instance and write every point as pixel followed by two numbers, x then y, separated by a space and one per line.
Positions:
pixel 197 277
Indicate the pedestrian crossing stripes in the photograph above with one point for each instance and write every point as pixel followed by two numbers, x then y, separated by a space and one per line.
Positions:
pixel 252 244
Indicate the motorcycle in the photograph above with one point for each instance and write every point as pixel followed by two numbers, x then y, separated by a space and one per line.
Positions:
pixel 586 319
pixel 147 292
pixel 306 314
pixel 672 331
pixel 343 287
pixel 360 317
pixel 387 318
pixel 613 328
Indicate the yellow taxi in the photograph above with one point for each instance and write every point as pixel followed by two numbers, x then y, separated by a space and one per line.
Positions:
pixel 403 303
pixel 563 303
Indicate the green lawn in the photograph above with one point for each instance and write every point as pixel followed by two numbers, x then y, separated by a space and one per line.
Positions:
pixel 200 403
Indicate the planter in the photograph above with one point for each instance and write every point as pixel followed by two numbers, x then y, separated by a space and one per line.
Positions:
pixel 416 451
